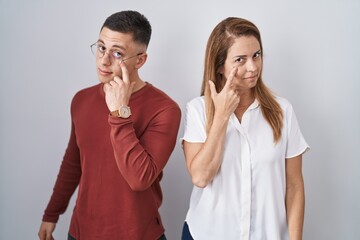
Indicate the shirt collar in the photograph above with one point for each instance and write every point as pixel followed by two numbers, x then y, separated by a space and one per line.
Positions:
pixel 254 105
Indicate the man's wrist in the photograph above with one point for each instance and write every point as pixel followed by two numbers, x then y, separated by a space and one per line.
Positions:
pixel 123 112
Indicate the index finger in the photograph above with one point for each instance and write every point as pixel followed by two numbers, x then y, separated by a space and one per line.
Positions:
pixel 230 77
pixel 125 73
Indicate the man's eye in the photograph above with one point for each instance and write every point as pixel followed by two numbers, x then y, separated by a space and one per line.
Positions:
pixel 101 48
pixel 117 55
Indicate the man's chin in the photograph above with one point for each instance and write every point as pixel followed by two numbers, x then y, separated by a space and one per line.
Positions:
pixel 104 80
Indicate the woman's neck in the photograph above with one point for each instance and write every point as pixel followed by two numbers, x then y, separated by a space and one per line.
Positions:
pixel 246 99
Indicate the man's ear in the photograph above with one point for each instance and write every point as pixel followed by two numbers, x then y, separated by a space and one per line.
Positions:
pixel 141 60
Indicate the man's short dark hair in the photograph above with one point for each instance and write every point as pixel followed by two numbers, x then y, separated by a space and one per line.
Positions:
pixel 130 22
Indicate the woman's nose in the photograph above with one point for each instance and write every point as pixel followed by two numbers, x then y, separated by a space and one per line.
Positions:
pixel 251 66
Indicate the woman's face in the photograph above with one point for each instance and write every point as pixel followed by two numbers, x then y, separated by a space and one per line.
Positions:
pixel 245 54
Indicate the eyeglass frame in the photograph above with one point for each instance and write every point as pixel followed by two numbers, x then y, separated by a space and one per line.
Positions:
pixel 97 51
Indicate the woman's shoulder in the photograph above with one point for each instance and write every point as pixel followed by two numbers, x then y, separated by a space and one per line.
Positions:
pixel 283 102
pixel 197 103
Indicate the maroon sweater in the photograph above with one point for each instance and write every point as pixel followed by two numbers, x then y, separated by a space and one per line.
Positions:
pixel 117 164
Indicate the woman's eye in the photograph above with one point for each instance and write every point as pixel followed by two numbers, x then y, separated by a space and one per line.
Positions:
pixel 117 55
pixel 239 60
pixel 258 54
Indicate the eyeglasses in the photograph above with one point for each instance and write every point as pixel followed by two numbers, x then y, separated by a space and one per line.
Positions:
pixel 99 51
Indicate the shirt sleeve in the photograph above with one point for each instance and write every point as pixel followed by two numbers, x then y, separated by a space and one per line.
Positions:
pixel 194 129
pixel 141 160
pixel 296 144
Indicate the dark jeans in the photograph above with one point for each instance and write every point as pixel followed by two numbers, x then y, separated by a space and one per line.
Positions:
pixel 72 238
pixel 186 233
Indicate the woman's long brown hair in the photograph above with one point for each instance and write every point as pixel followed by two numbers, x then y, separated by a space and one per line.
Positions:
pixel 220 40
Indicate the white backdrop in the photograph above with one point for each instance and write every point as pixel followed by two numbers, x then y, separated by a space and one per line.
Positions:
pixel 311 58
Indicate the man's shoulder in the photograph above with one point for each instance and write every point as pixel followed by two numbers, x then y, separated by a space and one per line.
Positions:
pixel 88 90
pixel 85 95
pixel 154 95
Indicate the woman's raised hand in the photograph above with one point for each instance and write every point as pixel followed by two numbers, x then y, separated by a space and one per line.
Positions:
pixel 227 99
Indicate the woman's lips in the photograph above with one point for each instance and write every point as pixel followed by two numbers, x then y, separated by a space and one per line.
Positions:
pixel 250 78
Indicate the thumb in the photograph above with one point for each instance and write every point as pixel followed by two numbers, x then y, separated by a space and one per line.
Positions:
pixel 107 87
pixel 213 92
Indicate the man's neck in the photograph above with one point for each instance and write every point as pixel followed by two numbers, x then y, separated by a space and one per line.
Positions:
pixel 139 84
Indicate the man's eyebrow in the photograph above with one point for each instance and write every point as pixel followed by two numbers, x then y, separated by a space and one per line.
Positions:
pixel 114 46
pixel 117 46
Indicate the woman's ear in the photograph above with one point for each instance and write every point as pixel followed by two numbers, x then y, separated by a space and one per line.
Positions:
pixel 141 60
pixel 220 70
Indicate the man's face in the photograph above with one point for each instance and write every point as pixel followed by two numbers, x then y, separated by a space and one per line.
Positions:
pixel 112 48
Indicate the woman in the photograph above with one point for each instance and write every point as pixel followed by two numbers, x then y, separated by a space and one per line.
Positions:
pixel 243 146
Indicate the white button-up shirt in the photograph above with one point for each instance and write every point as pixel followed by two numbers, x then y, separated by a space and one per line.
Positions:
pixel 246 199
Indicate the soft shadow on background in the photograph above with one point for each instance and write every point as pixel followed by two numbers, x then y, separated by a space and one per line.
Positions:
pixel 311 51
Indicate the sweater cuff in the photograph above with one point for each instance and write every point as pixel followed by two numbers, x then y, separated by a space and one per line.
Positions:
pixel 48 218
pixel 118 120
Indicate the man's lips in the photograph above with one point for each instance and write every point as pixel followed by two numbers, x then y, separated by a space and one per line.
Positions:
pixel 104 72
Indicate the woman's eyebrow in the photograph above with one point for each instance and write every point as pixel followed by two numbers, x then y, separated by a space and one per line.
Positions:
pixel 244 56
pixel 258 51
pixel 240 56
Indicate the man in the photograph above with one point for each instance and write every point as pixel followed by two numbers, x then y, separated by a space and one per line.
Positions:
pixel 123 133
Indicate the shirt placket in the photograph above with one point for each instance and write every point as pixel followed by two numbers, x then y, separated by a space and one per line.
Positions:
pixel 245 180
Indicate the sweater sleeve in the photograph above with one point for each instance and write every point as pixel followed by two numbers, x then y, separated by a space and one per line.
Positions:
pixel 66 183
pixel 141 160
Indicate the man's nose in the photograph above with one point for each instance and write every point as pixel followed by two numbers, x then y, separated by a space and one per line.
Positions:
pixel 106 58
